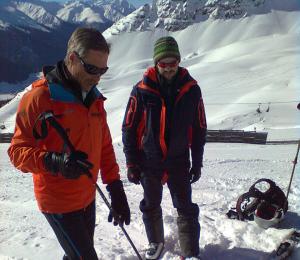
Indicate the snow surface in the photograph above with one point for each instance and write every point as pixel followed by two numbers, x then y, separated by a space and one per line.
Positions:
pixel 238 64
pixel 229 170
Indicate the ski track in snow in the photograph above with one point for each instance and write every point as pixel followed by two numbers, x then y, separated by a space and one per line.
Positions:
pixel 229 171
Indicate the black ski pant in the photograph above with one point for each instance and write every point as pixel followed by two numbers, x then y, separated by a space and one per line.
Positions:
pixel 188 212
pixel 75 232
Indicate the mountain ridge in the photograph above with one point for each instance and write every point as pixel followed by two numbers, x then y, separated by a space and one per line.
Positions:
pixel 178 15
pixel 35 33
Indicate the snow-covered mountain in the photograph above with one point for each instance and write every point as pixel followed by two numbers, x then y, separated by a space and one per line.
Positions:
pixel 27 14
pixel 174 15
pixel 38 14
pixel 31 28
pixel 34 32
pixel 93 12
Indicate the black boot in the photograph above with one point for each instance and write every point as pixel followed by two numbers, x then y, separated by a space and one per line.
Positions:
pixel 155 232
pixel 154 225
pixel 189 231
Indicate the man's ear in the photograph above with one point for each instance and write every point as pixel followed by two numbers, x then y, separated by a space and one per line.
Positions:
pixel 71 58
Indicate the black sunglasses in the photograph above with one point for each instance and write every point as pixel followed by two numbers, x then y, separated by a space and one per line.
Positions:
pixel 91 69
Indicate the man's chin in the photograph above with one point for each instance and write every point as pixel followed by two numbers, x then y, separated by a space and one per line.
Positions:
pixel 169 76
pixel 89 86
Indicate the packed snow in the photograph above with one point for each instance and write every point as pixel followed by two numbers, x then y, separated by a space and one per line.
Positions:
pixel 241 65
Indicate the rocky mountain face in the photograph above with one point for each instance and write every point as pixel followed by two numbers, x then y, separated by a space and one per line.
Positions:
pixel 34 33
pixel 174 15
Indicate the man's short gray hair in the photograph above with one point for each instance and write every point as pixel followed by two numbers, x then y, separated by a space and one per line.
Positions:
pixel 84 39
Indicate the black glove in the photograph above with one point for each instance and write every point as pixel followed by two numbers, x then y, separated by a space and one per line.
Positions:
pixel 195 174
pixel 134 174
pixel 120 212
pixel 71 166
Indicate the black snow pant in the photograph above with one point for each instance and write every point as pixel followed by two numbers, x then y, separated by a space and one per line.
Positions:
pixel 75 232
pixel 188 212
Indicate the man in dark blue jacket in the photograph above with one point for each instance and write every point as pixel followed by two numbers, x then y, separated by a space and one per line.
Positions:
pixel 164 120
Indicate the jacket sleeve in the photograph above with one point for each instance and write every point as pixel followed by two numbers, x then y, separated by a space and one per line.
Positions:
pixel 132 128
pixel 198 132
pixel 24 152
pixel 108 167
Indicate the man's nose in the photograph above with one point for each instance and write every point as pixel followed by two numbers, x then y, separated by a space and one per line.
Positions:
pixel 168 68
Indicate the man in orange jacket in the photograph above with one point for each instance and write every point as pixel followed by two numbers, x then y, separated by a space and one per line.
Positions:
pixel 64 193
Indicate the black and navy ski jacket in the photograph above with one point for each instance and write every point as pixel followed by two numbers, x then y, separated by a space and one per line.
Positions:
pixel 144 125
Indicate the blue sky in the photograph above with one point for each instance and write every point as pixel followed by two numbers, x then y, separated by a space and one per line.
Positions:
pixel 136 3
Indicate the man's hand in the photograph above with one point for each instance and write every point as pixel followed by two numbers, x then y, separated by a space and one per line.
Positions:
pixel 134 174
pixel 71 166
pixel 120 212
pixel 195 174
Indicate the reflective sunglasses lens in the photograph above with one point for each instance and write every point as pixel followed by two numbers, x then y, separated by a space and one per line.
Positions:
pixel 93 70
pixel 164 65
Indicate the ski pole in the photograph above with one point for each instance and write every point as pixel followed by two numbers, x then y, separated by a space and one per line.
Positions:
pixel 62 133
pixel 294 166
pixel 111 209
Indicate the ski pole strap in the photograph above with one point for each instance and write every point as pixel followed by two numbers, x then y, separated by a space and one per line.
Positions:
pixel 49 117
pixel 44 129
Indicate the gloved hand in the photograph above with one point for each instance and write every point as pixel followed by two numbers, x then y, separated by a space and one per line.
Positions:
pixel 195 174
pixel 71 166
pixel 120 212
pixel 134 174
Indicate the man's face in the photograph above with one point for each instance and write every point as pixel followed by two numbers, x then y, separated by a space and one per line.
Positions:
pixel 83 69
pixel 168 67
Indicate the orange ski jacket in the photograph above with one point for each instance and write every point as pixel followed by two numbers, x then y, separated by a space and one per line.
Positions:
pixel 87 130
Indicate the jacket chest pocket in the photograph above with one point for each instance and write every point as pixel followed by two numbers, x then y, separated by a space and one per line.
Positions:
pixel 153 123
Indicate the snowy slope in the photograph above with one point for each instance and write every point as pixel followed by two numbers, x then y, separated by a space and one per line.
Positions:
pixel 238 63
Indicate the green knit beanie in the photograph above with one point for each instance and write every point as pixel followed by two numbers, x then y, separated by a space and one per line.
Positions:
pixel 165 47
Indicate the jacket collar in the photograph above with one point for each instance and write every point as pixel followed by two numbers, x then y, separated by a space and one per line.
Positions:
pixel 63 88
pixel 151 81
pixel 59 93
